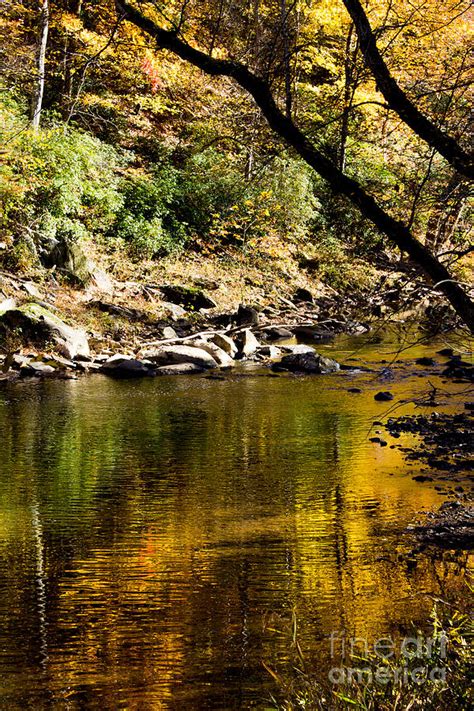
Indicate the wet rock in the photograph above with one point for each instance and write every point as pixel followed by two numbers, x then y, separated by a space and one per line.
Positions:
pixel 188 297
pixel 383 396
pixel 425 361
pixel 170 355
pixel 246 316
pixel 452 527
pixel 276 333
pixel 311 363
pixel 226 343
pixel 378 440
pixel 269 351
pixel 40 326
pixel 123 366
pixel 246 342
pixel 314 333
pixel 179 369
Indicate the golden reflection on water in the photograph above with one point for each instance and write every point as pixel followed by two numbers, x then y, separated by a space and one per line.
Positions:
pixel 156 536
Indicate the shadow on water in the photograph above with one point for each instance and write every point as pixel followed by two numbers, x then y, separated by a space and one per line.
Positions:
pixel 156 536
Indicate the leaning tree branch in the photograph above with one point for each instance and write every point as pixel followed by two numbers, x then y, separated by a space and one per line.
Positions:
pixel 399 101
pixel 285 127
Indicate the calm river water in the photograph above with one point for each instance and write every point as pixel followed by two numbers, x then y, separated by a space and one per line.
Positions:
pixel 157 536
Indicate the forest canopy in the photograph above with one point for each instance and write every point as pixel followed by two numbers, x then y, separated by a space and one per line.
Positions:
pixel 131 141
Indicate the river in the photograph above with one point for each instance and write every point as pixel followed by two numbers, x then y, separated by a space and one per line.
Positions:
pixel 158 536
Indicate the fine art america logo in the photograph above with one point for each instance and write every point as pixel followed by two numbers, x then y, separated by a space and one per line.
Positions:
pixel 408 660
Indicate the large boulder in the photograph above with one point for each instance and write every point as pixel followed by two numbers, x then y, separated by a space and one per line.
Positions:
pixel 40 326
pixel 168 355
pixel 311 363
pixel 69 257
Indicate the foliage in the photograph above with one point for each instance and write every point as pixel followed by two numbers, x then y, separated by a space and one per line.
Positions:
pixel 394 681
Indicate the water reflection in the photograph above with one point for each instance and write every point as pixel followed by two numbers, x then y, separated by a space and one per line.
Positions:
pixel 156 536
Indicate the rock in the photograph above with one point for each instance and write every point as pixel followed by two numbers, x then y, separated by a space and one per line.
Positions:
pixel 312 332
pixel 116 310
pixel 469 405
pixel 298 349
pixel 58 362
pixel 354 390
pixel 168 355
pixel 304 295
pixel 208 284
pixel 445 352
pixel 422 478
pixel 189 297
pixel 384 396
pixel 277 333
pixel 425 361
pixel 247 342
pixel 311 363
pixel 169 332
pixel 176 312
pixel 269 351
pixel 179 369
pixel 220 356
pixel 378 440
pixel 123 366
pixel 246 316
pixel 69 257
pixel 226 343
pixel 32 290
pixel 38 324
pixel 7 305
pixel 101 279
pixel 33 368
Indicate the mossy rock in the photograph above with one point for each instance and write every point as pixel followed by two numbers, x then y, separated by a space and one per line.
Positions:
pixel 37 325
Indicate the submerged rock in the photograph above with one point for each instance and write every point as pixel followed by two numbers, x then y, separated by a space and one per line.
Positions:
pixel 179 369
pixel 384 396
pixel 311 363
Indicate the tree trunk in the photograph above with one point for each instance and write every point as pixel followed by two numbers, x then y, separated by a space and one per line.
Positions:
pixel 284 126
pixel 41 61
pixel 399 101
